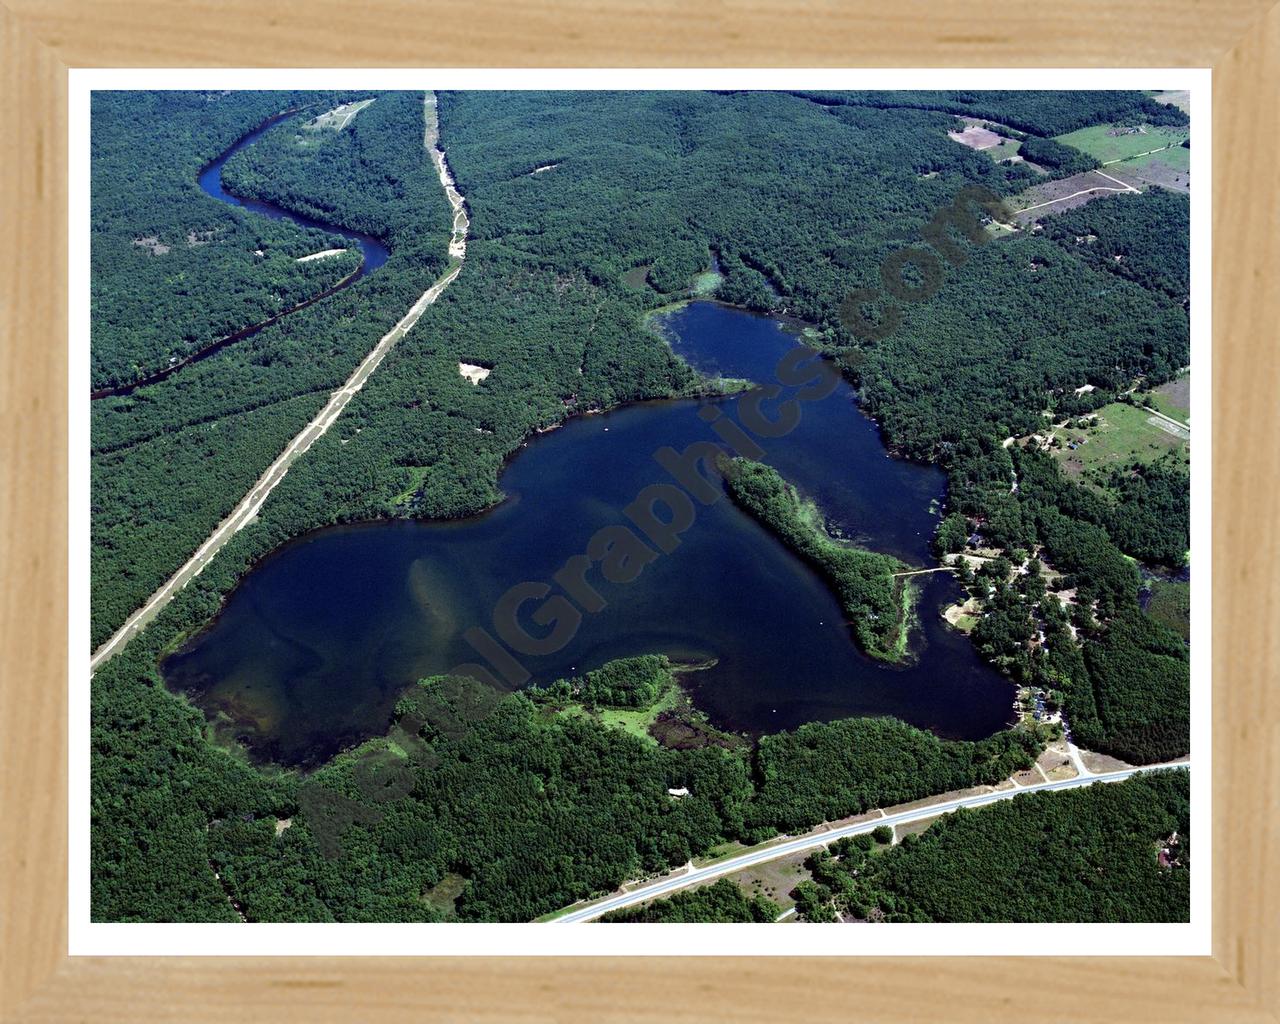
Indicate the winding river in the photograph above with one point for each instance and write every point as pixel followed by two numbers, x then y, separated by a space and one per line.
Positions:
pixel 373 254
pixel 310 651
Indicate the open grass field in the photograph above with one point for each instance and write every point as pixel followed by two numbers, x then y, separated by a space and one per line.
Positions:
pixel 1176 159
pixel 1065 194
pixel 1169 168
pixel 1097 141
pixel 774 879
pixel 638 721
pixel 1121 434
pixel 1174 398
pixel 1005 149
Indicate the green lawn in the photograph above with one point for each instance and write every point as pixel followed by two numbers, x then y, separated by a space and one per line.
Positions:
pixel 1096 141
pixel 1123 433
pixel 638 720
pixel 1005 149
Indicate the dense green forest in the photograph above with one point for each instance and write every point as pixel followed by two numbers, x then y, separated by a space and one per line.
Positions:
pixel 721 902
pixel 172 270
pixel 831 770
pixel 800 202
pixel 1087 854
pixel 623 683
pixel 1142 238
pixel 878 606
pixel 1048 153
pixel 1047 326
pixel 365 177
pixel 532 808
pixel 542 302
pixel 1039 112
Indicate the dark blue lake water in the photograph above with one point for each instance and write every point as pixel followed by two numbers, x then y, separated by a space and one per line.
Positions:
pixel 312 648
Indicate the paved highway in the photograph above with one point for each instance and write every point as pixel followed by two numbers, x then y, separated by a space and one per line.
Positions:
pixel 813 840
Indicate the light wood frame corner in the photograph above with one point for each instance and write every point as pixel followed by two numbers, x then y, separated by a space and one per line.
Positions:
pixel 42 39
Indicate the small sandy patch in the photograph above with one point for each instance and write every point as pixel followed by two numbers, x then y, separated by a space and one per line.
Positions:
pixel 339 117
pixel 1099 763
pixel 474 372
pixel 975 137
pixel 283 824
pixel 322 254
pixel 963 616
pixel 1056 764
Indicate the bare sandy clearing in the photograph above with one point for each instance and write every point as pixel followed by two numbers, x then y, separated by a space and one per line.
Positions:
pixel 339 117
pixel 975 137
pixel 474 372
pixel 964 615
pixel 322 254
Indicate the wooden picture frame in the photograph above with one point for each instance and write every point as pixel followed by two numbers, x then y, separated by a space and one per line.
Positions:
pixel 42 39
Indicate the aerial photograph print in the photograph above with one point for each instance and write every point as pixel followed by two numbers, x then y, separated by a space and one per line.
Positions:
pixel 624 507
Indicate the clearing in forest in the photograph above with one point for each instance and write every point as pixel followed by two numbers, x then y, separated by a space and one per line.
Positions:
pixel 1180 98
pixel 1169 168
pixel 474 372
pixel 975 136
pixel 1065 194
pixel 1174 398
pixel 1110 143
pixel 339 117
pixel 1120 434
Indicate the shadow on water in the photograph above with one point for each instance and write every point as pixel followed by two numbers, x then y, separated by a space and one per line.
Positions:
pixel 313 647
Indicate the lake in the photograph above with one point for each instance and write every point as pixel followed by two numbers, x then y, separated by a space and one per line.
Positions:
pixel 312 648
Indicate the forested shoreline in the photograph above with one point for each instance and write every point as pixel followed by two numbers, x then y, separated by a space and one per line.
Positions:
pixel 529 809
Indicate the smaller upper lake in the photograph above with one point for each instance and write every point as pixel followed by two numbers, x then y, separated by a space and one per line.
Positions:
pixel 313 647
